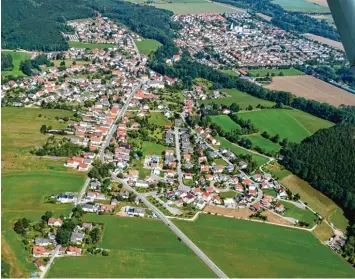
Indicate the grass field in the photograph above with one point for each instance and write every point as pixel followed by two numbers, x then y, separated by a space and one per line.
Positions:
pixel 260 160
pixel 146 46
pixel 90 45
pixel 230 72
pixel 299 214
pixel 263 143
pixel 68 63
pixel 158 119
pixel 301 6
pixel 240 98
pixel 151 148
pixel 295 125
pixel 195 8
pixel 264 72
pixel 17 57
pixel 250 249
pixel 225 122
pixel 138 248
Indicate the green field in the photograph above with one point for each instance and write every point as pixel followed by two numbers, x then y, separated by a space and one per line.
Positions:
pixel 90 45
pixel 295 125
pixel 140 248
pixel 263 143
pixel 249 249
pixel 17 57
pixel 195 8
pixel 301 6
pixel 151 148
pixel 260 160
pixel 264 72
pixel 230 72
pixel 299 214
pixel 240 98
pixel 225 122
pixel 146 46
pixel 158 119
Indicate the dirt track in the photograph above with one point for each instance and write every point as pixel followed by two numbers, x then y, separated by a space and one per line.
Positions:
pixel 312 88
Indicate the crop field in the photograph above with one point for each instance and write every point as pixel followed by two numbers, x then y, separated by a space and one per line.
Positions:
pixel 240 98
pixel 295 125
pixel 17 57
pixel 250 249
pixel 158 119
pixel 302 6
pixel 263 143
pixel 196 7
pixel 138 248
pixel 314 89
pixel 146 46
pixel 260 160
pixel 225 122
pixel 285 72
pixel 90 45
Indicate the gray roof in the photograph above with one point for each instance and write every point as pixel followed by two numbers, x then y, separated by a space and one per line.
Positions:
pixel 76 236
pixel 41 240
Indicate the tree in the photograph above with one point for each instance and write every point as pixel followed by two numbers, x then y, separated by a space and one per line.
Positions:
pixel 105 253
pixel 43 129
pixel 234 107
pixel 276 138
pixel 26 67
pixel 18 227
pixel 63 236
pixel 47 215
pixel 25 223
pixel 265 135
pixel 95 235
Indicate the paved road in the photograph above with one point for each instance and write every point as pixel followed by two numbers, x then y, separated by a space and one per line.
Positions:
pixel 177 231
pixel 135 46
pixel 82 192
pixel 182 186
pixel 114 126
pixel 48 265
pixel 172 210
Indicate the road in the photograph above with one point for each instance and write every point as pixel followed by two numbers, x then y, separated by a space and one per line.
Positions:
pixel 82 192
pixel 174 211
pixel 48 265
pixel 177 231
pixel 182 186
pixel 135 46
pixel 114 126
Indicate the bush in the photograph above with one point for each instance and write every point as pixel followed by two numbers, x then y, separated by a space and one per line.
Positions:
pixel 105 253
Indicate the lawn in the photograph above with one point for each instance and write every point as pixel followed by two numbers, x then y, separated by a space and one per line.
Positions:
pixel 140 248
pixel 17 57
pixel 158 119
pixel 151 148
pixel 295 125
pixel 270 192
pixel 301 6
pixel 138 165
pixel 286 72
pixel 225 122
pixel 230 72
pixel 263 143
pixel 146 46
pixel 229 194
pixel 240 98
pixel 260 160
pixel 299 214
pixel 249 249
pixel 195 8
pixel 90 45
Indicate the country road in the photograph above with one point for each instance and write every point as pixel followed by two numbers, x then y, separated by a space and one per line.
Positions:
pixel 177 231
pixel 48 265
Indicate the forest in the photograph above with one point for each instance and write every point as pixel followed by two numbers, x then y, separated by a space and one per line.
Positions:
pixel 6 62
pixel 289 21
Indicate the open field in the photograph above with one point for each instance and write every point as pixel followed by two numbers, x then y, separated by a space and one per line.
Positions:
pixel 240 98
pixel 158 119
pixel 250 249
pixel 225 122
pixel 90 45
pixel 151 148
pixel 17 57
pixel 195 8
pixel 239 151
pixel 323 232
pixel 285 72
pixel 299 214
pixel 312 88
pixel 301 6
pixel 319 2
pixel 295 125
pixel 326 41
pixel 138 248
pixel 263 143
pixel 68 63
pixel 146 46
pixel 266 17
pixel 230 72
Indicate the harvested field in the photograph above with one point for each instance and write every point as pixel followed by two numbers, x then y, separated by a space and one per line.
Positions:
pixel 273 218
pixel 326 41
pixel 267 18
pixel 312 88
pixel 238 212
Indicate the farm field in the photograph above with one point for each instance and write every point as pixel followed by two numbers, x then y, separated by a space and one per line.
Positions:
pixel 138 248
pixel 225 122
pixel 260 160
pixel 326 41
pixel 146 46
pixel 275 251
pixel 17 57
pixel 295 125
pixel 301 5
pixel 240 98
pixel 314 89
pixel 263 143
pixel 195 7
pixel 158 119
pixel 285 72
pixel 90 45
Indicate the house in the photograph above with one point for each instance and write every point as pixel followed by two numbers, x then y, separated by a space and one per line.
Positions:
pixel 280 208
pixel 87 226
pixel 73 251
pixel 39 251
pixel 133 173
pixel 242 165
pixel 135 211
pixel 77 237
pixel 66 198
pixel 107 208
pixel 205 168
pixel 256 207
pixel 216 200
pixel 188 176
pixel 200 204
pixel 92 208
pixel 53 222
pixel 40 265
pixel 40 241
pixel 229 202
pixel 189 198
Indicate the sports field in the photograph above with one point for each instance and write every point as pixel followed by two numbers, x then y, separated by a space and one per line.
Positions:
pixel 90 45
pixel 263 143
pixel 295 125
pixel 17 57
pixel 240 98
pixel 158 119
pixel 250 249
pixel 301 6
pixel 140 248
pixel 146 46
pixel 277 72
pixel 260 160
pixel 195 8
pixel 225 122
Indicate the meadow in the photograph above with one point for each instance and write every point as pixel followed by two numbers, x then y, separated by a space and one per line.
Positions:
pixel 225 122
pixel 158 119
pixel 230 72
pixel 90 45
pixel 151 148
pixel 138 248
pixel 17 57
pixel 263 143
pixel 295 125
pixel 250 249
pixel 188 7
pixel 299 214
pixel 240 98
pixel 285 72
pixel 146 46
pixel 301 6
